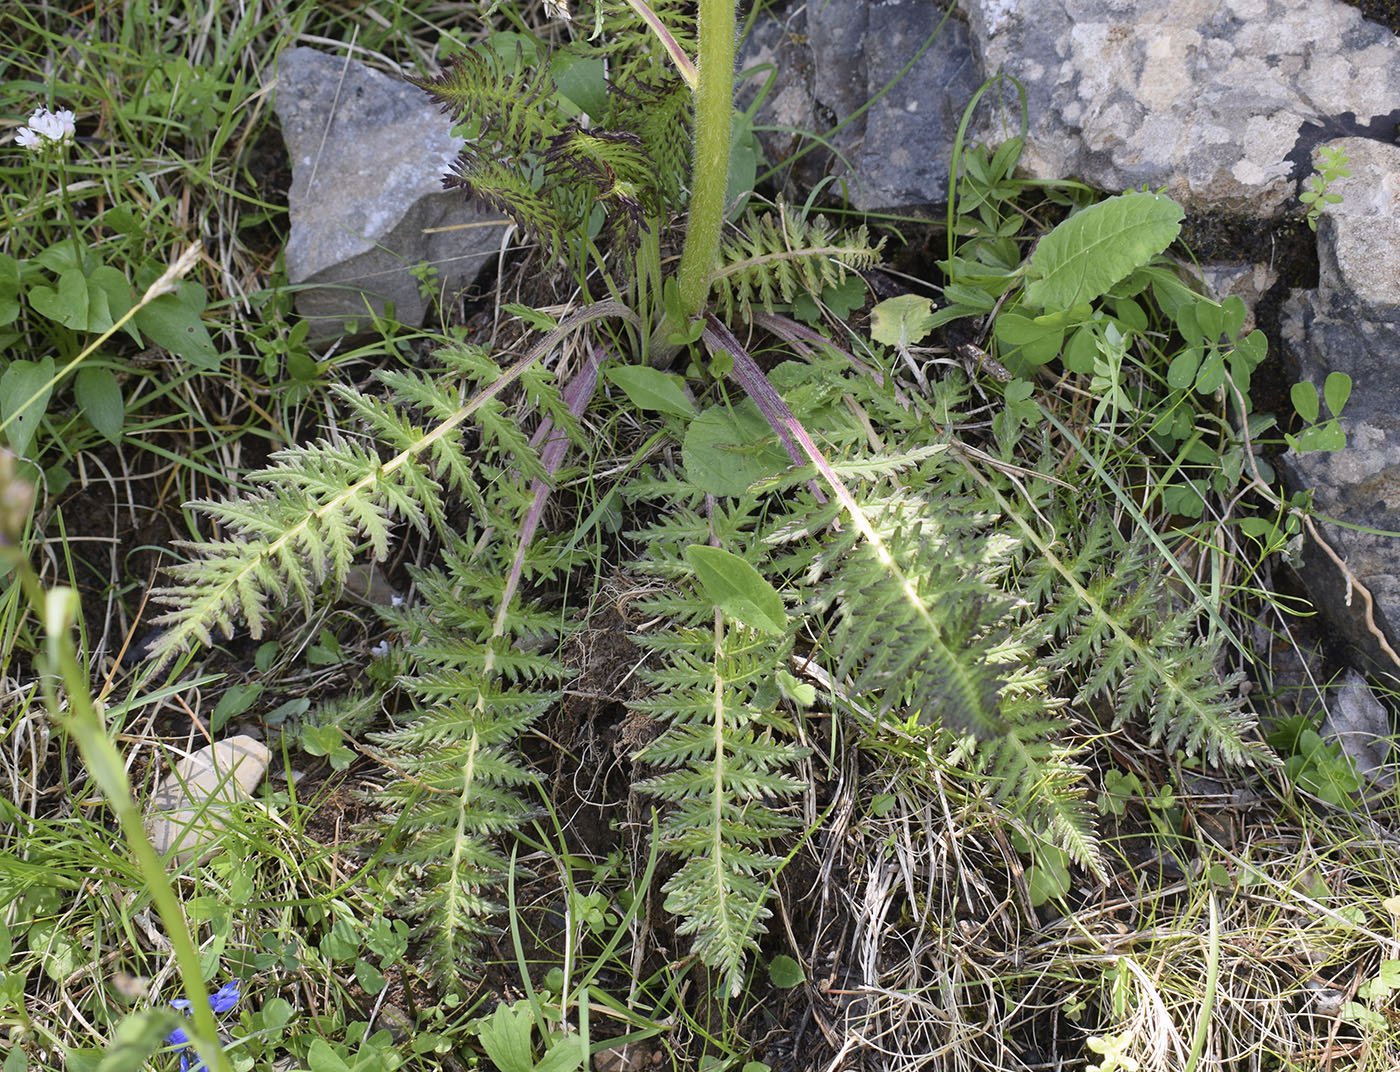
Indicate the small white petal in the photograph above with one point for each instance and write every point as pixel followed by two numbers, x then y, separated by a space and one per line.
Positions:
pixel 27 139
pixel 51 126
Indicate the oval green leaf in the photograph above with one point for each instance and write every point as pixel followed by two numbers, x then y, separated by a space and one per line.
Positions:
pixel 100 397
pixel 173 321
pixel 785 973
pixel 727 449
pixel 24 396
pixel 1096 247
pixel 737 588
pixel 901 321
pixel 1336 391
pixel 1304 399
pixel 651 389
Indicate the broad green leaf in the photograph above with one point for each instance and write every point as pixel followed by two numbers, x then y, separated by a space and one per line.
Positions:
pixel 727 449
pixel 109 295
pixel 1234 310
pixel 1336 391
pixel 99 396
pixel 1036 343
pixel 785 972
pixel 1096 247
pixel 61 256
pixel 1212 373
pixel 973 297
pixel 1211 319
pixel 275 1014
pixel 322 1058
pixel 1080 351
pixel 24 396
pixel 1304 398
pixel 1327 436
pixel 173 321
pixel 1046 881
pixel 744 155
pixel 901 321
pixel 341 942
pixel 737 588
pixel 651 389
pixel 370 978
pixel 1131 316
pixel 9 289
pixel 66 305
pixel 582 80
pixel 1253 348
pixel 234 702
pixel 506 1037
pixel 1181 373
pixel 321 740
pixel 799 692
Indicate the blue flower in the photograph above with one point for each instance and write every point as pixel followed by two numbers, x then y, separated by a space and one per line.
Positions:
pixel 224 999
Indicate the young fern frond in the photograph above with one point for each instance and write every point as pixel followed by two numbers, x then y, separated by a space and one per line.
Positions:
pixel 775 256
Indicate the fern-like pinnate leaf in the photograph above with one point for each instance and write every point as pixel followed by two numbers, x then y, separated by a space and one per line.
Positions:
pixel 775 256
pixel 527 156
pixel 918 619
pixel 316 507
pixel 726 752
pixel 476 681
pixel 1126 637
pixel 727 764
pixel 321 502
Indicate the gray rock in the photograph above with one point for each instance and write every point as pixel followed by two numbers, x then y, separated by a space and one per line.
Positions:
pixel 1361 725
pixel 1218 101
pixel 1358 242
pixel 191 804
pixel 368 153
pixel 1351 324
pixel 833 59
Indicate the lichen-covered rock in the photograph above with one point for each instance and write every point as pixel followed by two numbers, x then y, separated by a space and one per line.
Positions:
pixel 1219 101
pixel 368 154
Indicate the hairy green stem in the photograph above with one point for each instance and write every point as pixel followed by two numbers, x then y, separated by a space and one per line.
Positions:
pixel 714 115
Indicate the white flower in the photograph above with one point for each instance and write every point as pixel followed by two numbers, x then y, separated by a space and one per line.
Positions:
pixel 44 127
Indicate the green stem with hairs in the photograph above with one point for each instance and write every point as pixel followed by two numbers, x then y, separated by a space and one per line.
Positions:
pixel 709 176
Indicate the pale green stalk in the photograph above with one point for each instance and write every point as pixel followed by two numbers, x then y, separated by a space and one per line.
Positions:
pixel 709 175
pixel 59 609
